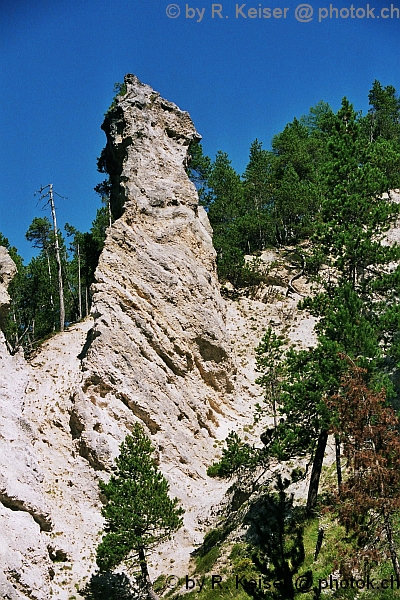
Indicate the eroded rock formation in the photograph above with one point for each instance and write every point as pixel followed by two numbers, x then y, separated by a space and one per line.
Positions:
pixel 24 511
pixel 7 272
pixel 158 352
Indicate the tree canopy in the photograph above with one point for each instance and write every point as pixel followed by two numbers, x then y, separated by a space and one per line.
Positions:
pixel 349 175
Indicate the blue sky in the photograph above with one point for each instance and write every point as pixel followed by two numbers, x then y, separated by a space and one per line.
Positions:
pixel 239 78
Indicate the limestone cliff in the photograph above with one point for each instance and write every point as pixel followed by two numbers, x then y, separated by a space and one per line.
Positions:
pixel 157 351
pixel 24 511
pixel 161 347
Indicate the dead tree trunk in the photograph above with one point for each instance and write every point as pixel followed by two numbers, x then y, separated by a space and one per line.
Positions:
pixel 79 282
pixel 50 284
pixel 338 463
pixel 58 259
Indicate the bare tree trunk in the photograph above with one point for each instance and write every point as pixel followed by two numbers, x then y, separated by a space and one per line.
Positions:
pixel 16 328
pixel 79 282
pixel 86 301
pixel 146 577
pixel 58 259
pixel 50 284
pixel 86 283
pixel 338 463
pixel 316 471
pixel 318 545
pixel 109 213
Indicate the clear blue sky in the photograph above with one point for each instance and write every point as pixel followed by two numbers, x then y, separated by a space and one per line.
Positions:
pixel 239 78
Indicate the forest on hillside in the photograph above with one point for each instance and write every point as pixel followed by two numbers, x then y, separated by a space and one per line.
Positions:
pixel 324 193
pixel 278 201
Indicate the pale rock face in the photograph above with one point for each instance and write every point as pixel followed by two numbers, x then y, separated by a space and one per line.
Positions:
pixel 159 350
pixel 23 558
pixel 24 512
pixel 7 272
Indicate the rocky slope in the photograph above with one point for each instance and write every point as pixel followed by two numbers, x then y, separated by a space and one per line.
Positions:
pixel 157 351
pixel 162 347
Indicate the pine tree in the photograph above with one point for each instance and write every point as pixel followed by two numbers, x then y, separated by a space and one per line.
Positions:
pixel 270 363
pixel 198 169
pixel 354 214
pixel 75 266
pixel 226 208
pixel 297 185
pixel 258 198
pixel 139 513
pixel 315 119
pixel 43 273
pixel 40 234
pixel 383 119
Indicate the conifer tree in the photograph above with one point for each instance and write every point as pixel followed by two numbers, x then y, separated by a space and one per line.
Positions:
pixel 314 121
pixel 139 513
pixel 357 302
pixel 226 208
pixel 75 266
pixel 40 234
pixel 358 287
pixel 258 198
pixel 297 184
pixel 383 119
pixel 198 169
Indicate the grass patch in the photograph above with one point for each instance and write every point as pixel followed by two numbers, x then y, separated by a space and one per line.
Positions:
pixel 225 589
pixel 279 550
pixel 205 563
